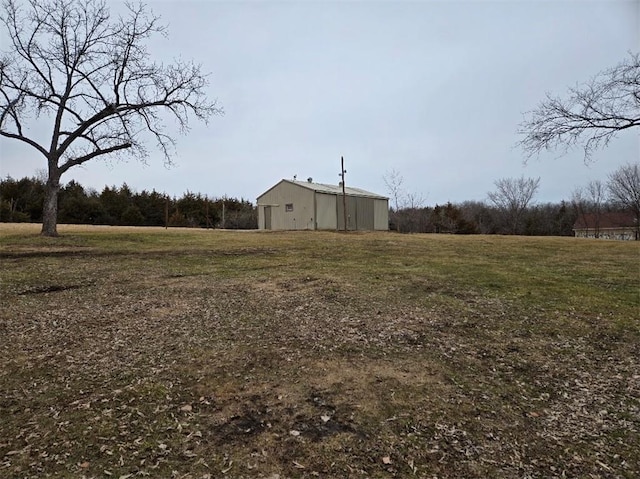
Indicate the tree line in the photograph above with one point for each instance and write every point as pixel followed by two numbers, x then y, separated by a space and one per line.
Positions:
pixel 22 201
pixel 478 217
pixel 510 209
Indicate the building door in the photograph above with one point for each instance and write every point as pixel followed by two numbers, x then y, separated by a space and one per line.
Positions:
pixel 351 213
pixel 364 213
pixel 267 217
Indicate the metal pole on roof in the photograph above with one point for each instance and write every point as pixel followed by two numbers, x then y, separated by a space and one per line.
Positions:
pixel 344 196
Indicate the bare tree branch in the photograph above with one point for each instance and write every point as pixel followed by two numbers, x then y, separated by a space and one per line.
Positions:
pixel 590 117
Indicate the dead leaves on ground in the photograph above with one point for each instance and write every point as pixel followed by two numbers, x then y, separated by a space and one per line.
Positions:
pixel 304 376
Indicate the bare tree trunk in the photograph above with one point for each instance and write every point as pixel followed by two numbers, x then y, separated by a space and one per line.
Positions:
pixel 50 209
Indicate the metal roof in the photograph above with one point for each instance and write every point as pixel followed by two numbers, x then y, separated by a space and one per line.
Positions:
pixel 605 220
pixel 336 189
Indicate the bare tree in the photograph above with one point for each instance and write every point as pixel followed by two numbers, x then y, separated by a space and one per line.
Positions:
pixel 512 196
pixel 90 77
pixel 581 205
pixel 406 206
pixel 592 115
pixel 588 202
pixel 624 190
pixel 393 180
pixel 414 201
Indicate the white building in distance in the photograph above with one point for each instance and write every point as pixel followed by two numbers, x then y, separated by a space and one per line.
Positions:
pixel 304 205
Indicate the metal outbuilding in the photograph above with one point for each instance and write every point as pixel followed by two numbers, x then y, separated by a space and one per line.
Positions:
pixel 304 205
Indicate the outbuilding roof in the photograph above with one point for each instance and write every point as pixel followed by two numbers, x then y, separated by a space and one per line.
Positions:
pixel 331 189
pixel 605 220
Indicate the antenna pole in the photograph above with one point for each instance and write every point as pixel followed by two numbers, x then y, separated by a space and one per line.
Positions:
pixel 344 196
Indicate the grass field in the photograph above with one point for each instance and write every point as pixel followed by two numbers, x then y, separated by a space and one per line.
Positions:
pixel 206 354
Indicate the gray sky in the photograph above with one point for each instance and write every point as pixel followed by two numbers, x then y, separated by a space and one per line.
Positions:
pixel 432 89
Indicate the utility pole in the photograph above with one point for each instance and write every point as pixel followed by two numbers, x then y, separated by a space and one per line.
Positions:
pixel 166 211
pixel 344 196
pixel 206 213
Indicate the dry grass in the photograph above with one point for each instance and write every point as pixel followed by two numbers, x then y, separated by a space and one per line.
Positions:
pixel 190 353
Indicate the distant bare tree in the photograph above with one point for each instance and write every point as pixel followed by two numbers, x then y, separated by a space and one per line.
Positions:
pixel 581 205
pixel 406 207
pixel 89 75
pixel 413 217
pixel 414 201
pixel 624 190
pixel 592 115
pixel 588 202
pixel 393 180
pixel 512 196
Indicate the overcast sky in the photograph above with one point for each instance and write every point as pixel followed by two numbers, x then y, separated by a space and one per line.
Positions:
pixel 432 89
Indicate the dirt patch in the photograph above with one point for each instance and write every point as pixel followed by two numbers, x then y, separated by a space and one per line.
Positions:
pixel 48 253
pixel 54 288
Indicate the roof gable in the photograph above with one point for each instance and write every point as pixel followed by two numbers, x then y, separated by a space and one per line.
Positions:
pixel 329 189
pixel 336 189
